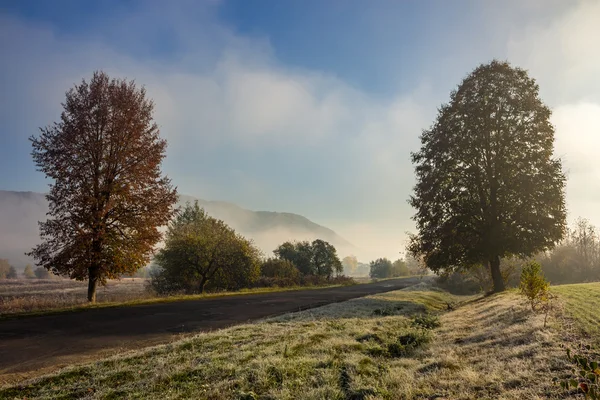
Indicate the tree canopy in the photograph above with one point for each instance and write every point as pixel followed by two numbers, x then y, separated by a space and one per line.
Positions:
pixel 380 268
pixel 108 196
pixel 318 258
pixel 203 252
pixel 488 185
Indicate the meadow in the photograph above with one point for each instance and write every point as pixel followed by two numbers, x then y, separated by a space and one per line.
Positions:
pixel 582 306
pixel 416 343
pixel 29 295
pixel 22 297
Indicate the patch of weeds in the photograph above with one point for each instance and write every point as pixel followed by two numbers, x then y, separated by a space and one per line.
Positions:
pixel 345 382
pixel 586 373
pixel 383 312
pixel 369 337
pixel 426 321
pixel 247 396
pixel 376 351
pixel 115 395
pixel 439 365
pixel 275 376
pixel 407 343
pixel 118 378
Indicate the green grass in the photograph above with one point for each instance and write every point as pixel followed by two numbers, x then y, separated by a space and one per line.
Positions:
pixel 582 304
pixel 299 355
pixel 367 348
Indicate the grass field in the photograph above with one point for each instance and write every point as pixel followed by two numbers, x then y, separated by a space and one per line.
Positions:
pixel 582 304
pixel 360 349
pixel 25 297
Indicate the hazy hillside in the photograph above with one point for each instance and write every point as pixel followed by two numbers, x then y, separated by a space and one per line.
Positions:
pixel 20 211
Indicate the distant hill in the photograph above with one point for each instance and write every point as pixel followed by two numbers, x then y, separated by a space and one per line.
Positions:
pixel 20 212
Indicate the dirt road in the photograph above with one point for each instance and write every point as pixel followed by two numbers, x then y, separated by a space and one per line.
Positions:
pixel 34 345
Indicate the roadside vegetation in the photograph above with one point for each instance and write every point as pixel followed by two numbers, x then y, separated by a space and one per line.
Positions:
pixel 407 344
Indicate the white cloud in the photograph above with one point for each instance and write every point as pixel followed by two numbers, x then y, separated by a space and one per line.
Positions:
pixel 229 93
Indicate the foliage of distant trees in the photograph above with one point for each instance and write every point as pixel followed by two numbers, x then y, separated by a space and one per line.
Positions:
pixel 576 258
pixel 12 273
pixel 380 268
pixel 108 196
pixel 202 252
pixel 488 186
pixel 41 273
pixel 4 268
pixel 28 272
pixel 384 268
pixel 349 265
pixel 318 258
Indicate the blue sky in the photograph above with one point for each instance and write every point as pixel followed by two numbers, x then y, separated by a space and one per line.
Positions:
pixel 303 106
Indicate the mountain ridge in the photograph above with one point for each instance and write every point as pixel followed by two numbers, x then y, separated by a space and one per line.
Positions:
pixel 20 211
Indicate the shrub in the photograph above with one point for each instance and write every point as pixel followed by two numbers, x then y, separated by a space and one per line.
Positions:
pixel 278 268
pixel 407 343
pixel 203 253
pixel 426 321
pixel 534 286
pixel 28 272
pixel 41 273
pixel 586 376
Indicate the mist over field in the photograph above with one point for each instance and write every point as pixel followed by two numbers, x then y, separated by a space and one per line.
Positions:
pixel 21 211
pixel 261 120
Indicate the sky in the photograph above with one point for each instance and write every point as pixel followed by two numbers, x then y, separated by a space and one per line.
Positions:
pixel 303 106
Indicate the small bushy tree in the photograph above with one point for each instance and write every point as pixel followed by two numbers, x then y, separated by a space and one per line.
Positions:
pixel 277 268
pixel 202 252
pixel 4 268
pixel 533 285
pixel 28 272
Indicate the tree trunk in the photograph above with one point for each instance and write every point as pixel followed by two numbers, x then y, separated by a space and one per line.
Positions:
pixel 202 284
pixel 93 283
pixel 496 274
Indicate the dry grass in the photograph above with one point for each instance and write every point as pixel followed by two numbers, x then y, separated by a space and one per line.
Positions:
pixel 44 296
pixel 492 348
pixel 27 295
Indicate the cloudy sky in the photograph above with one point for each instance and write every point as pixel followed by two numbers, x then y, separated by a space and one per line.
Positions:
pixel 305 106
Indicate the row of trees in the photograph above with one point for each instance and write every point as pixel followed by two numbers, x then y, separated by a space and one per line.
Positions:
pixel 488 188
pixel 384 268
pixel 203 253
pixel 576 258
pixel 7 271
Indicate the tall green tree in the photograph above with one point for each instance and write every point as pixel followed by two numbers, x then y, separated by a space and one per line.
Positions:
pixel 380 268
pixel 317 258
pixel 298 253
pixel 108 196
pixel 488 185
pixel 201 252
pixel 325 259
pixel 399 268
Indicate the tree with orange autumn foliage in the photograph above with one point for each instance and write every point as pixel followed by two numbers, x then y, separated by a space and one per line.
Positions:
pixel 108 196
